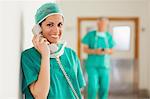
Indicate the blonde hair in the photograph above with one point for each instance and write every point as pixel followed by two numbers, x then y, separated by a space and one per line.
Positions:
pixel 103 18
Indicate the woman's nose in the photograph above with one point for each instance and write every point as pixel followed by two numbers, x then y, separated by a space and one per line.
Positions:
pixel 56 29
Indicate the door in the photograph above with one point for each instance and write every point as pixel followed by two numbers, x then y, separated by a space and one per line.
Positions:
pixel 123 61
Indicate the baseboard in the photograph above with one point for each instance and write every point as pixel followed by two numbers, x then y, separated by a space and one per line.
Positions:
pixel 144 93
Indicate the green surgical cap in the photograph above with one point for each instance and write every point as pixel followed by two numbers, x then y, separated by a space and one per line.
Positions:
pixel 46 10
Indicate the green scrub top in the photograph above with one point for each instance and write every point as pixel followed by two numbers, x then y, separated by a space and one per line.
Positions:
pixel 94 42
pixel 59 88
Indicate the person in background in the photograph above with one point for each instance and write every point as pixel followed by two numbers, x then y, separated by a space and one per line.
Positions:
pixel 98 44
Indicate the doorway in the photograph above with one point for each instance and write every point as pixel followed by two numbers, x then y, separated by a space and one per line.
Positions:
pixel 124 62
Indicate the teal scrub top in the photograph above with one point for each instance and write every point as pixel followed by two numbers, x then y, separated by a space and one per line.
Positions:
pixel 59 88
pixel 94 42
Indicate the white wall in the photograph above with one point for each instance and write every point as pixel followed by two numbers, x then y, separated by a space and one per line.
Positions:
pixel 10 29
pixel 149 46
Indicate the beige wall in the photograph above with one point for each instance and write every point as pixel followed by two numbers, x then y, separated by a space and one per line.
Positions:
pixel 149 47
pixel 10 32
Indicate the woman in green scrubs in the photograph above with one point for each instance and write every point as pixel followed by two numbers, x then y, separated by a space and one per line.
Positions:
pixel 42 75
pixel 98 44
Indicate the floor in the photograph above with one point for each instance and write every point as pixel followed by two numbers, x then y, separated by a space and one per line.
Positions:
pixel 121 76
pixel 127 97
pixel 121 84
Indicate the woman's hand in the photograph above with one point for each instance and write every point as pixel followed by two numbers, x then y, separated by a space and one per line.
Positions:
pixel 40 88
pixel 41 44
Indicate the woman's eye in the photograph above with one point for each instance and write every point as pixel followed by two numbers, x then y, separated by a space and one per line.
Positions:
pixel 50 25
pixel 60 24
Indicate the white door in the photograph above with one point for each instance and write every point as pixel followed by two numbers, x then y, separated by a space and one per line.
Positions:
pixel 122 61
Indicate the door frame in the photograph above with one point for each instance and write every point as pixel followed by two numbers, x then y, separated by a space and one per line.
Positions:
pixel 136 51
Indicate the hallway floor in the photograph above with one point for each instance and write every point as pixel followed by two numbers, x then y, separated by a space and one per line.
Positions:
pixel 126 97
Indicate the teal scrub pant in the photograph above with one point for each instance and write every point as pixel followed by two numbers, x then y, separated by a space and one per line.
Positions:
pixel 98 82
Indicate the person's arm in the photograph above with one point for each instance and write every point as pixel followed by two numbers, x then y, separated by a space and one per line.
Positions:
pixel 87 50
pixel 40 88
pixel 108 51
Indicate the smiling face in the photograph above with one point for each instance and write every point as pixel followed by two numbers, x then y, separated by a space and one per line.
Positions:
pixel 52 28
